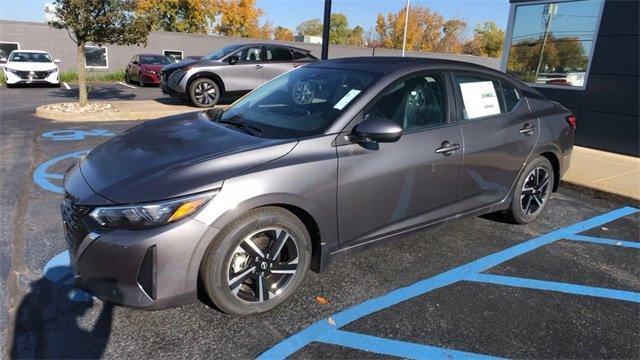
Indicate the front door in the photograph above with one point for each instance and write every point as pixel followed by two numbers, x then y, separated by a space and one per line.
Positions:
pixel 389 187
pixel 248 73
pixel 499 136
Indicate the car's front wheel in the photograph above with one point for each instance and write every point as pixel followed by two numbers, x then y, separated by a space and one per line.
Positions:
pixel 257 262
pixel 204 93
pixel 532 191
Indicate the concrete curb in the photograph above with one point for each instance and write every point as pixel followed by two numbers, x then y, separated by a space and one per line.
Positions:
pixel 129 110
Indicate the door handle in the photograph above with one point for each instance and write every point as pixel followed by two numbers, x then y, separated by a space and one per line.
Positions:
pixel 527 129
pixel 258 66
pixel 295 65
pixel 447 148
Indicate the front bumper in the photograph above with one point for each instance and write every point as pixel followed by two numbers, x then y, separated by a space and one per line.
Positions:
pixel 175 84
pixel 150 269
pixel 38 77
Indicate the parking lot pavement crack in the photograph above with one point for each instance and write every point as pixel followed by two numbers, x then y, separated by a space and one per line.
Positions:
pixel 18 268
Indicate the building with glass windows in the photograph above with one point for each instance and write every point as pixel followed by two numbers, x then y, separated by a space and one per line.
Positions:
pixel 584 55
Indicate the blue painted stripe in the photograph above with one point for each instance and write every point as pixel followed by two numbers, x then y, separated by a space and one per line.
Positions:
pixel 394 347
pixel 301 339
pixel 597 240
pixel 555 286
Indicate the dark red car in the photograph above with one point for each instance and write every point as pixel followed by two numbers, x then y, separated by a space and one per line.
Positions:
pixel 144 69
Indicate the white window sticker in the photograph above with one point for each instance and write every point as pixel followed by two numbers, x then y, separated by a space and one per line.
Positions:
pixel 346 99
pixel 479 99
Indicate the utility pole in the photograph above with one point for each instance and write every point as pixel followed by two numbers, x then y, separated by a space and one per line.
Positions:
pixel 406 24
pixel 550 10
pixel 325 30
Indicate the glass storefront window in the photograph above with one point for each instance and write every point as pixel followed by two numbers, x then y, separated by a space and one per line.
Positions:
pixel 551 43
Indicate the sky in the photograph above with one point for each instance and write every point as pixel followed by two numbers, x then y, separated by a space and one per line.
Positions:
pixel 289 13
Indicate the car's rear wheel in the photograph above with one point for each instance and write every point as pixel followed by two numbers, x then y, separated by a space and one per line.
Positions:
pixel 204 92
pixel 257 262
pixel 532 192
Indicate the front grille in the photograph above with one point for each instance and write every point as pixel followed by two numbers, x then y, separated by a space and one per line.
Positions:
pixel 74 228
pixel 38 75
pixel 147 274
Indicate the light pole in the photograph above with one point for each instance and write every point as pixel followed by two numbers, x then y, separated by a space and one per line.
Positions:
pixel 406 24
pixel 325 30
pixel 549 11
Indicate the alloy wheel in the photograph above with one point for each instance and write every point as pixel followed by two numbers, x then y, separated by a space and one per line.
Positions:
pixel 263 265
pixel 535 191
pixel 205 93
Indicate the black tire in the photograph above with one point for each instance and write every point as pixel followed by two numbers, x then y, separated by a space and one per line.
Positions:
pixel 204 93
pixel 126 78
pixel 140 81
pixel 530 201
pixel 219 274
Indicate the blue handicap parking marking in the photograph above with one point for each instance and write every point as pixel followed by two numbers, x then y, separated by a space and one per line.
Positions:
pixel 328 332
pixel 71 135
pixel 58 270
pixel 43 178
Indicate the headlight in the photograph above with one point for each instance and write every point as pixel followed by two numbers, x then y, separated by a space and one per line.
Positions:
pixel 10 70
pixel 148 71
pixel 52 71
pixel 150 215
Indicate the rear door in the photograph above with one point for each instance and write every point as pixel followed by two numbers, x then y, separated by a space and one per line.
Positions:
pixel 248 73
pixel 499 133
pixel 388 187
pixel 278 60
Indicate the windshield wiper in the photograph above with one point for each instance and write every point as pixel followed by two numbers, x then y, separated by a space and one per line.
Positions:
pixel 246 127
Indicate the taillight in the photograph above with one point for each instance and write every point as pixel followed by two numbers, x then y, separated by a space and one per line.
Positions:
pixel 573 122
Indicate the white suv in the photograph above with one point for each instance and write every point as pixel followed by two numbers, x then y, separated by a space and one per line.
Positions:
pixel 30 67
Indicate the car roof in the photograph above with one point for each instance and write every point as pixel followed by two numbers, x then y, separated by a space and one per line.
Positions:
pixel 274 44
pixel 388 64
pixel 31 51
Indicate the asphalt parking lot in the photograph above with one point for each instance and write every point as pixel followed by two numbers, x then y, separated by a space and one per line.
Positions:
pixel 567 286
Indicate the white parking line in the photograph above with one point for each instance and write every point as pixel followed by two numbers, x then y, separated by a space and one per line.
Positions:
pixel 127 85
pixel 66 86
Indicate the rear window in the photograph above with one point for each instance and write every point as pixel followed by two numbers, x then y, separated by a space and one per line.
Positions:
pixel 278 54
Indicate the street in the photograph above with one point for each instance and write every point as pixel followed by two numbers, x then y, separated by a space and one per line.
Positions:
pixel 495 291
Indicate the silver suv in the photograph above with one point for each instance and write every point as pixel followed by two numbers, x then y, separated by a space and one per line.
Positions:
pixel 232 70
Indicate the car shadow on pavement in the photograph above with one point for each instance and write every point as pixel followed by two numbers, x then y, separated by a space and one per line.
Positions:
pixel 96 93
pixel 51 323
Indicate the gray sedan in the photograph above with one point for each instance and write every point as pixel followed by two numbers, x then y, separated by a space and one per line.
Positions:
pixel 326 159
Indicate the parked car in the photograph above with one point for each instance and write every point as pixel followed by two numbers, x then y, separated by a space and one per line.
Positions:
pixel 334 156
pixel 234 69
pixel 30 67
pixel 145 69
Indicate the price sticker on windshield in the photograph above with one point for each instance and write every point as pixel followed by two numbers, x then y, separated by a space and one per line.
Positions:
pixel 346 99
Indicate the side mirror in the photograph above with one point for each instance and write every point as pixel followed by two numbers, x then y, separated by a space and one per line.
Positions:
pixel 4 59
pixel 233 59
pixel 56 61
pixel 135 62
pixel 377 129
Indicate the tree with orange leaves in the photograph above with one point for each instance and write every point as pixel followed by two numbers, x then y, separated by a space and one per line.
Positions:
pixel 239 18
pixel 282 33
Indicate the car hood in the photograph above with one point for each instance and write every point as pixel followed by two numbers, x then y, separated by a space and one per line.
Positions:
pixel 185 63
pixel 30 66
pixel 174 156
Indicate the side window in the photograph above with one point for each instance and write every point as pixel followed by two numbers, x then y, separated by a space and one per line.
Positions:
pixel 248 54
pixel 300 56
pixel 510 96
pixel 416 103
pixel 481 96
pixel 276 54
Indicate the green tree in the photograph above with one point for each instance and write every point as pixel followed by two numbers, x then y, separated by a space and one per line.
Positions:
pixel 191 16
pixel 99 22
pixel 356 36
pixel 490 39
pixel 339 29
pixel 311 27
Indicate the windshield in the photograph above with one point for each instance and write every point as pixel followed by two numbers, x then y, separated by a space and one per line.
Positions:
pixel 300 103
pixel 154 60
pixel 222 52
pixel 29 57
